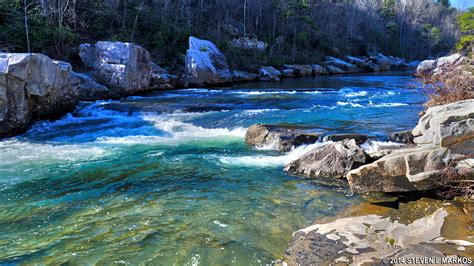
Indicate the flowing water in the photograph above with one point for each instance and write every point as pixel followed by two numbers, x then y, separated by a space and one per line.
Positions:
pixel 166 178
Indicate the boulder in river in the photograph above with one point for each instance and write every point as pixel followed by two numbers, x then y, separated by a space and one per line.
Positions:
pixel 90 90
pixel 206 62
pixel 243 76
pixel 318 70
pixel 359 138
pixel 268 73
pixel 122 67
pixel 288 73
pixel 361 63
pixel 428 68
pixel 280 137
pixel 442 133
pixel 333 160
pixel 33 85
pixel 382 61
pixel 346 67
pixel 300 70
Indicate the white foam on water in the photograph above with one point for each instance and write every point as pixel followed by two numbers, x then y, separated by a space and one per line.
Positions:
pixel 371 104
pixel 350 104
pixel 356 94
pixel 14 151
pixel 274 92
pixel 375 146
pixel 270 161
pixel 219 223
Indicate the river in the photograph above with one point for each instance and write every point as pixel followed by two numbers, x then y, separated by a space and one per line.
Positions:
pixel 166 177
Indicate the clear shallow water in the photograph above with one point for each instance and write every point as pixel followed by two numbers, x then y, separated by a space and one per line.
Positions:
pixel 167 178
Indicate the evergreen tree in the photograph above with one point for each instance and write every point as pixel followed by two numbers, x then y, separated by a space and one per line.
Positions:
pixel 466 24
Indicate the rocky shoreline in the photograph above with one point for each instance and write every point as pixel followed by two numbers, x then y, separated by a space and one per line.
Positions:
pixel 439 147
pixel 34 86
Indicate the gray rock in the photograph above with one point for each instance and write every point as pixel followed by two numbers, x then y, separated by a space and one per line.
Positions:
pixel 333 70
pixel 346 67
pixel 300 70
pixel 428 68
pixel 32 85
pixel 122 67
pixel 268 73
pixel 185 81
pixel 401 171
pixel 368 239
pixel 280 137
pixel 288 73
pixel 402 137
pixel 384 62
pixel 89 90
pixel 361 63
pixel 243 76
pixel 359 138
pixel 318 70
pixel 332 160
pixel 450 125
pixel 206 62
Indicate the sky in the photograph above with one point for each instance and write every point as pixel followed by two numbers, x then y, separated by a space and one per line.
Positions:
pixel 462 4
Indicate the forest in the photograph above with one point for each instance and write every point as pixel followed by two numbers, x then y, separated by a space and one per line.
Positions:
pixel 298 31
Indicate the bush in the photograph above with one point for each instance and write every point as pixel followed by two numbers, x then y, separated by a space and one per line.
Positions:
pixel 452 86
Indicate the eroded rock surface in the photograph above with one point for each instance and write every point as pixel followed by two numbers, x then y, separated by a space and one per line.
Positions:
pixel 333 160
pixel 206 62
pixel 282 138
pixel 32 85
pixel 124 68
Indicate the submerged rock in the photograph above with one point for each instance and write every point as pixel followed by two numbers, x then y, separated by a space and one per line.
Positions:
pixel 122 67
pixel 333 160
pixel 282 138
pixel 206 62
pixel 32 85
pixel 268 73
pixel 369 233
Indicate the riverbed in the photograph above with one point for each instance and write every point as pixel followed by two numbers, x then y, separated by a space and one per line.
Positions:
pixel 166 177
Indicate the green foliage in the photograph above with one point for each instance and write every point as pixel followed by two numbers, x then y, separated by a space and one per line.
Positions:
pixel 466 24
pixel 388 8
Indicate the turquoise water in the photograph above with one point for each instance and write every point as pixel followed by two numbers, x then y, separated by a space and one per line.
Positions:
pixel 166 178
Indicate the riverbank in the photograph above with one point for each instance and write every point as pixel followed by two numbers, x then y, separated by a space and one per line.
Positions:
pixel 403 228
pixel 118 69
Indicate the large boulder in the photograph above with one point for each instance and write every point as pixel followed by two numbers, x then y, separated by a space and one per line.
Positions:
pixel 243 76
pixel 318 70
pixel 123 67
pixel 405 136
pixel 450 125
pixel 206 62
pixel 359 138
pixel 333 160
pixel 32 85
pixel 89 90
pixel 341 64
pixel 401 171
pixel 268 73
pixel 160 78
pixel 428 68
pixel 443 133
pixel 300 70
pixel 280 137
pixel 361 63
pixel 383 62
